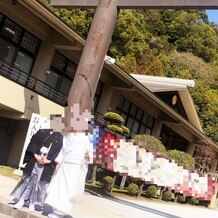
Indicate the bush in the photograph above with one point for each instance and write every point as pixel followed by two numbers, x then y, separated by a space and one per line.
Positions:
pixel 125 130
pixel 183 159
pixel 181 198
pixel 132 189
pixel 203 203
pixel 167 196
pixel 151 191
pixel 193 200
pixel 115 128
pixel 152 143
pixel 107 183
pixel 113 118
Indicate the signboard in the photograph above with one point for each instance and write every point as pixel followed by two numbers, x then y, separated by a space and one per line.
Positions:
pixel 36 122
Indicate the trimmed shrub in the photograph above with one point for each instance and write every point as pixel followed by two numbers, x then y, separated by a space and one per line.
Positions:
pixel 203 203
pixel 167 196
pixel 107 183
pixel 115 128
pixel 125 130
pixel 113 118
pixel 183 159
pixel 181 198
pixel 193 200
pixel 151 143
pixel 132 189
pixel 151 191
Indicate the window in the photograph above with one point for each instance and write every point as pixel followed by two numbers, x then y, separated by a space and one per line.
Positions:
pixel 30 43
pixel 71 69
pixel 11 30
pixel 137 120
pixel 18 47
pixel 23 62
pixel 98 94
pixel 59 62
pixel 62 72
pixel 1 16
pixel 65 86
pixel 7 51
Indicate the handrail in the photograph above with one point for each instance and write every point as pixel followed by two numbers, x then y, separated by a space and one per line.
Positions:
pixel 22 78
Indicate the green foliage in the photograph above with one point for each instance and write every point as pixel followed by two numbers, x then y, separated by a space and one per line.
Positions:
pixel 167 196
pixel 181 198
pixel 78 19
pixel 115 128
pixel 172 43
pixel 151 191
pixel 115 121
pixel 130 34
pixel 205 92
pixel 126 130
pixel 189 34
pixel 107 183
pixel 128 63
pixel 193 200
pixel 151 143
pixel 182 159
pixel 113 118
pixel 132 189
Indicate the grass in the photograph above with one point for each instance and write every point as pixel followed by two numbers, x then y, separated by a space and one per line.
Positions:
pixel 8 171
pixel 116 193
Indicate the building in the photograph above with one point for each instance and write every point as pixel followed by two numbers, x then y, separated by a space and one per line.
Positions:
pixel 38 59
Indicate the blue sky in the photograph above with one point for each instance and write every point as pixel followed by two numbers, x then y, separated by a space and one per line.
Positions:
pixel 213 15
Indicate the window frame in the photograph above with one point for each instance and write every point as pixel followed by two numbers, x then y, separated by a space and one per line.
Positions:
pixel 127 113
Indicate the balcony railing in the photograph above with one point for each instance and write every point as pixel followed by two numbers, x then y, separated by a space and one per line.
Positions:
pixel 36 85
pixel 32 83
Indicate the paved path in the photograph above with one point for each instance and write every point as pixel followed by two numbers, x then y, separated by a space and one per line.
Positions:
pixel 98 207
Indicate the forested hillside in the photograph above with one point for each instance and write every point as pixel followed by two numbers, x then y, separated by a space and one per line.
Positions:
pixel 171 43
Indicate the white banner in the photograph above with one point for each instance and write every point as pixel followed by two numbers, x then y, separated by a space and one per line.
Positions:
pixel 37 122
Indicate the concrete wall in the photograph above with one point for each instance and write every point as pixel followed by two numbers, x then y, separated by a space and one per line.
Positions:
pixel 8 129
pixel 19 98
pixel 17 143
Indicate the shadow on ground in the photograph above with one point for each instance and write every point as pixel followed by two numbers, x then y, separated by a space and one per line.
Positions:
pixel 101 193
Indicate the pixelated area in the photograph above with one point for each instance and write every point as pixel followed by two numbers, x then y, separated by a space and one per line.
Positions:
pixel 56 123
pixel 125 157
pixel 116 153
pixel 80 120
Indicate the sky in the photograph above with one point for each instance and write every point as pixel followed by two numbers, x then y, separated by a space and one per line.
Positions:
pixel 213 15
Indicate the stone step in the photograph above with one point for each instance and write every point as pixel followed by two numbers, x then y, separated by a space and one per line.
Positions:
pixel 4 216
pixel 7 210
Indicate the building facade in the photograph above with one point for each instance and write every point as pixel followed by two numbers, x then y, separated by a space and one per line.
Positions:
pixel 39 55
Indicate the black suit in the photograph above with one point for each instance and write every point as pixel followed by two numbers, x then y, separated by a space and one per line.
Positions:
pixel 43 138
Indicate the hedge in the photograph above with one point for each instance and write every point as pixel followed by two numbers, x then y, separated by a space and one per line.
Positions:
pixel 115 128
pixel 113 118
pixel 151 143
pixel 167 196
pixel 182 159
pixel 132 189
pixel 107 183
pixel 151 191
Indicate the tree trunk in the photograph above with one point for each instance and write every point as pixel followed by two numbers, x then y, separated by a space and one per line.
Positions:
pixel 161 192
pixel 140 190
pixel 176 195
pixel 93 177
pixel 114 180
pixel 123 181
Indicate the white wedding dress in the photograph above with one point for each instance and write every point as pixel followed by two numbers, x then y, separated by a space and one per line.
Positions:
pixel 67 185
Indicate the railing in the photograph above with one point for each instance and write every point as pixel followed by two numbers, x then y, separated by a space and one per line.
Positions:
pixel 98 118
pixel 36 85
pixel 32 83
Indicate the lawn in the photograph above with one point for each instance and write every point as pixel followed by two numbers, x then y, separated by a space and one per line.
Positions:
pixel 8 171
pixel 117 193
